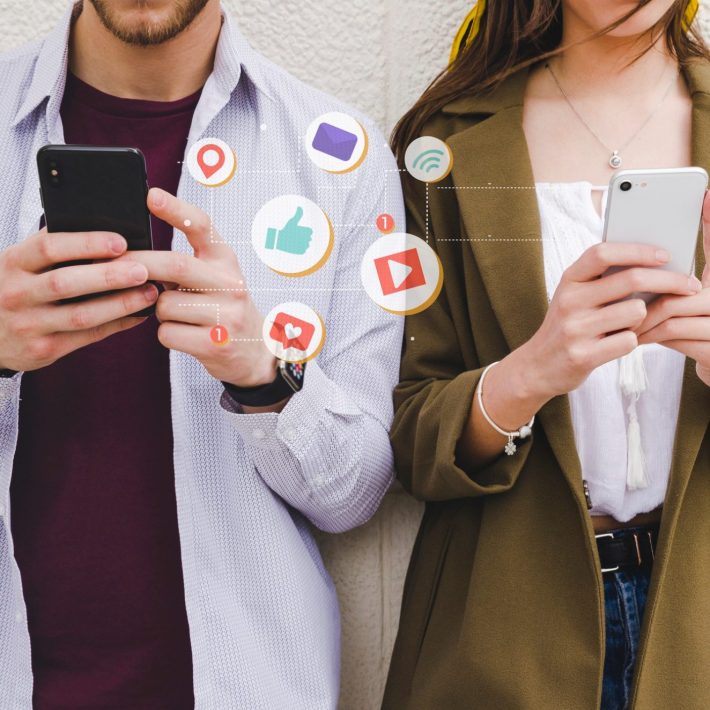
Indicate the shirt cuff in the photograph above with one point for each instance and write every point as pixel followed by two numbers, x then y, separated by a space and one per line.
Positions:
pixel 295 426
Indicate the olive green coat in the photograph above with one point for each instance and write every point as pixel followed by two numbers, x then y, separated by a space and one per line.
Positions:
pixel 503 602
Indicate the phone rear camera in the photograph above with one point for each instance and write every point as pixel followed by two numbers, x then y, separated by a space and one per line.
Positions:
pixel 625 186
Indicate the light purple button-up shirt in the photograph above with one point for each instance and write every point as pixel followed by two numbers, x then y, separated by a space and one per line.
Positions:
pixel 262 610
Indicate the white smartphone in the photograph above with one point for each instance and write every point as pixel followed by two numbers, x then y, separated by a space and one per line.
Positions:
pixel 661 207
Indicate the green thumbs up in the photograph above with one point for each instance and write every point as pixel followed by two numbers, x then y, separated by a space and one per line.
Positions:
pixel 294 238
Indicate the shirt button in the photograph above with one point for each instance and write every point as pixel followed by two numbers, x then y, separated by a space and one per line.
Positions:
pixel 2 510
pixel 290 434
pixel 259 434
pixel 19 617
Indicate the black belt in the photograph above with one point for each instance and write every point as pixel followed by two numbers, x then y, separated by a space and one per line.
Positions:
pixel 627 548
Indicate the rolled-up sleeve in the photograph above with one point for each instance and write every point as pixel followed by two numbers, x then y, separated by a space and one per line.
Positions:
pixel 327 453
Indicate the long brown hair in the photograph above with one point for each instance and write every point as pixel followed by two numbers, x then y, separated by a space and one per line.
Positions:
pixel 517 33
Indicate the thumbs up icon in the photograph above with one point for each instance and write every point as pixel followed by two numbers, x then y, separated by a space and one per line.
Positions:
pixel 292 235
pixel 293 238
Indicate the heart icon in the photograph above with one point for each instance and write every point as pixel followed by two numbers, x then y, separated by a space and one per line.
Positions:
pixel 293 331
pixel 290 332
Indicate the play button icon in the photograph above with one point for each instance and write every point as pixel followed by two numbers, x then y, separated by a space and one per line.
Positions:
pixel 402 273
pixel 399 273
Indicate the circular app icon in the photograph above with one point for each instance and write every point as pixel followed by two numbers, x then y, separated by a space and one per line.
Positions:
pixel 428 159
pixel 402 274
pixel 211 162
pixel 294 332
pixel 292 235
pixel 336 142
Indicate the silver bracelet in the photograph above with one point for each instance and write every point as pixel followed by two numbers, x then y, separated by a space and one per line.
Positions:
pixel 523 433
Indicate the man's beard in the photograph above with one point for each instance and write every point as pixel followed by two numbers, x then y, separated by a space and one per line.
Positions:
pixel 147 34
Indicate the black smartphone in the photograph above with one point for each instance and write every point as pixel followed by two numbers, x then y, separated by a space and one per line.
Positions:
pixel 96 189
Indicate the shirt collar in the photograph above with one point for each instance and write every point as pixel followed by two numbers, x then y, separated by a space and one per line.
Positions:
pixel 234 54
pixel 50 69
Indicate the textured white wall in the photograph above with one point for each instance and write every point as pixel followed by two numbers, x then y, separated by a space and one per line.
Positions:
pixel 377 55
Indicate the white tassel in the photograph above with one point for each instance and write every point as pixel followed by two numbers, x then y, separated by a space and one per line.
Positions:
pixel 635 461
pixel 633 382
pixel 632 373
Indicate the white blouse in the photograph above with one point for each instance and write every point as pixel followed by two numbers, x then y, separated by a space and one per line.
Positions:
pixel 570 225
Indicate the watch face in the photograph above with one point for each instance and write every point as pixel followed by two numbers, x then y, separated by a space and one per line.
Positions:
pixel 293 373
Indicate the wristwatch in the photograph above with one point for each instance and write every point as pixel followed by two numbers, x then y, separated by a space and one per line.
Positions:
pixel 288 380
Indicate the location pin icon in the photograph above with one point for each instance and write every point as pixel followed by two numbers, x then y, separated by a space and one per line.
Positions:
pixel 209 169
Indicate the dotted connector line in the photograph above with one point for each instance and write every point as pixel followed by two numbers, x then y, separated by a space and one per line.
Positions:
pixel 293 171
pixel 494 239
pixel 486 187
pixel 427 213
pixel 266 290
pixel 498 187
pixel 203 305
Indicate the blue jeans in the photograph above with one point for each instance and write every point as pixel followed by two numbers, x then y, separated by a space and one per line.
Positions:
pixel 625 594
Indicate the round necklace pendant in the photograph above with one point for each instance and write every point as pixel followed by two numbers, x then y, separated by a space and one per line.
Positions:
pixel 615 160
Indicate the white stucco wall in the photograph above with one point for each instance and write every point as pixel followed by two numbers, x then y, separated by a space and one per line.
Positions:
pixel 377 55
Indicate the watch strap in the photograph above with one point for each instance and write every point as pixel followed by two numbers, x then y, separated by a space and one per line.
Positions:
pixel 262 396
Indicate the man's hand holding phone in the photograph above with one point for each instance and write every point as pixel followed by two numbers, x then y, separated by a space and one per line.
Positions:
pixel 202 290
pixel 36 328
pixel 683 322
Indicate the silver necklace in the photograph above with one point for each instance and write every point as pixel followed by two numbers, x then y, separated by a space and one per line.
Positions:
pixel 615 160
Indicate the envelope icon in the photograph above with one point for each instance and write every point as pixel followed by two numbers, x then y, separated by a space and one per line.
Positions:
pixel 334 141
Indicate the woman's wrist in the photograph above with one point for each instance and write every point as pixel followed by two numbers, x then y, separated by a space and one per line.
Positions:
pixel 512 394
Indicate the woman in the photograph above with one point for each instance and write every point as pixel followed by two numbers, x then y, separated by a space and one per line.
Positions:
pixel 575 572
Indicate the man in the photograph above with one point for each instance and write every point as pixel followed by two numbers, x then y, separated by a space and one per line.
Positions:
pixel 156 488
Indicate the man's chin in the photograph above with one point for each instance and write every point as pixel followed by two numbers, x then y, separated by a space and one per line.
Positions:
pixel 145 25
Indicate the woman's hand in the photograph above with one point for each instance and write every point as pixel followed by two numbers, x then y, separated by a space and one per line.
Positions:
pixel 587 323
pixel 683 322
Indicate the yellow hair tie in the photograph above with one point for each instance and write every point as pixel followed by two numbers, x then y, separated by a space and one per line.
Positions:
pixel 472 25
pixel 468 30
pixel 691 11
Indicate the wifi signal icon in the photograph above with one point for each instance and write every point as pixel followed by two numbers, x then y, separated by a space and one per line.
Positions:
pixel 428 159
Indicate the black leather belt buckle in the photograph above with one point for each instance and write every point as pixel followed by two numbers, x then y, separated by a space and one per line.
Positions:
pixel 627 549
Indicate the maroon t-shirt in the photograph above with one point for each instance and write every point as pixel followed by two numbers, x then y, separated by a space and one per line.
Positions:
pixel 93 496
